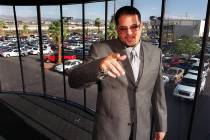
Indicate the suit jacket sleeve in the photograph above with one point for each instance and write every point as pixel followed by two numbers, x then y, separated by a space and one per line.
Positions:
pixel 85 74
pixel 159 103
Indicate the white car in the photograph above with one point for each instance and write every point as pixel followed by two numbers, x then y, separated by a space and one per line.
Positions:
pixel 75 46
pixel 68 65
pixel 47 50
pixel 186 88
pixel 194 60
pixel 195 67
pixel 12 52
pixel 165 79
pixel 34 50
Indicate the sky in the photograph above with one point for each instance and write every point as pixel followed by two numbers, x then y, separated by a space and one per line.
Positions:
pixel 190 9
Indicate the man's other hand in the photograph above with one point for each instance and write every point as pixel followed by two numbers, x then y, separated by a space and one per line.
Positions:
pixel 111 66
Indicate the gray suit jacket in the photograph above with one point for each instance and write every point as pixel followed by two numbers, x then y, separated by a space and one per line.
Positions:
pixel 122 101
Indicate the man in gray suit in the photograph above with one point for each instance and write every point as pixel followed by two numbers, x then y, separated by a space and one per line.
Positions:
pixel 131 91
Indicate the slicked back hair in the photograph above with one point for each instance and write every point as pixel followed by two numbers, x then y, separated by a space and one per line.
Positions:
pixel 126 10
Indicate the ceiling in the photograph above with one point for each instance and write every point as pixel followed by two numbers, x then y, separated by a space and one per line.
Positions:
pixel 45 2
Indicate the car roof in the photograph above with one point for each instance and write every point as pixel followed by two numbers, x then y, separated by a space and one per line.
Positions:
pixel 73 60
pixel 197 64
pixel 191 76
pixel 175 68
pixel 194 58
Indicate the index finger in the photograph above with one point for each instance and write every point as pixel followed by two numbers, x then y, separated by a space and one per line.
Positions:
pixel 118 67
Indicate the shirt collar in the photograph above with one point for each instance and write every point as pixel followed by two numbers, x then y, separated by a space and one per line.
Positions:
pixel 137 49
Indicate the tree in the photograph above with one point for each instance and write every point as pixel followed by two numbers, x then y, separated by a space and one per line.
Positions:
pixel 111 31
pixel 2 27
pixel 25 30
pixel 55 32
pixel 186 45
pixel 98 24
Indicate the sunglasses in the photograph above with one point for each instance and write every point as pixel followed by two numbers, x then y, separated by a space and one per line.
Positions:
pixel 133 28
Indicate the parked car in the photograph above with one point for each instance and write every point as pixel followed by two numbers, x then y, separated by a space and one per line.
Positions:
pixel 68 65
pixel 186 88
pixel 174 73
pixel 184 65
pixel 47 50
pixel 11 52
pixel 166 63
pixel 24 52
pixel 75 46
pixel 194 60
pixel 155 42
pixel 34 50
pixel 68 55
pixel 195 67
pixel 175 61
pixel 165 79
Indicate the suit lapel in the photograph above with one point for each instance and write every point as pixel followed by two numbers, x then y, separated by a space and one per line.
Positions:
pixel 142 62
pixel 145 59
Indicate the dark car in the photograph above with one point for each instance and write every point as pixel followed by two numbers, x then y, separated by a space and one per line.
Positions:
pixel 166 63
pixel 185 66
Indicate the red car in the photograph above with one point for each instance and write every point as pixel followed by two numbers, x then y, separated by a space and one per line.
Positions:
pixel 175 61
pixel 68 55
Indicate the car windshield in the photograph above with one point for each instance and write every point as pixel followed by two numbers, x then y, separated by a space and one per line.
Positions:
pixel 68 63
pixel 192 61
pixel 167 61
pixel 195 68
pixel 188 82
pixel 171 71
pixel 183 64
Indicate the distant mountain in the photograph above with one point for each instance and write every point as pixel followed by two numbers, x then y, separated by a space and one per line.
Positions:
pixel 30 19
pixel 24 19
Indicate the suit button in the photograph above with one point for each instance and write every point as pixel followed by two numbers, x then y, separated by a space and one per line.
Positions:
pixel 129 124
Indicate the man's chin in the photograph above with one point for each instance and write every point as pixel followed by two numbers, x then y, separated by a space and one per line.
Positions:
pixel 131 44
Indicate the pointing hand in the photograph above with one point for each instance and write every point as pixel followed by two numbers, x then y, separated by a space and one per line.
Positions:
pixel 111 66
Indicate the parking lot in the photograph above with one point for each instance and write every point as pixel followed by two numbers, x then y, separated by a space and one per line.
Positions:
pixel 179 110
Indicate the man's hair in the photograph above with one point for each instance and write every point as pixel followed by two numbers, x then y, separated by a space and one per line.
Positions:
pixel 126 10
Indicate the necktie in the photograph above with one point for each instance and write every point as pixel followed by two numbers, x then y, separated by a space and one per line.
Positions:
pixel 135 63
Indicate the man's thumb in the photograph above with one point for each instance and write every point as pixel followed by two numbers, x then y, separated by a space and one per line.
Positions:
pixel 121 57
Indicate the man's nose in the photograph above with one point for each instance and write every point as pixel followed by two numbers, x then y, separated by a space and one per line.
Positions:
pixel 129 32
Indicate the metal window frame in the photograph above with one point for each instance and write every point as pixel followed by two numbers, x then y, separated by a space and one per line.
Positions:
pixel 19 51
pixel 204 40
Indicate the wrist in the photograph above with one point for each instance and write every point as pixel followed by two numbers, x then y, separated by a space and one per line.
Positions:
pixel 102 73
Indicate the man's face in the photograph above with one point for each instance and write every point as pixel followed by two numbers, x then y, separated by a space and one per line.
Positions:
pixel 129 30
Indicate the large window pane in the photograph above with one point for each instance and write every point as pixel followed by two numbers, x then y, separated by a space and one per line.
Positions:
pixel 72 17
pixel 10 77
pixel 150 14
pixel 200 129
pixel 181 58
pixel 94 32
pixel 51 38
pixel 27 27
